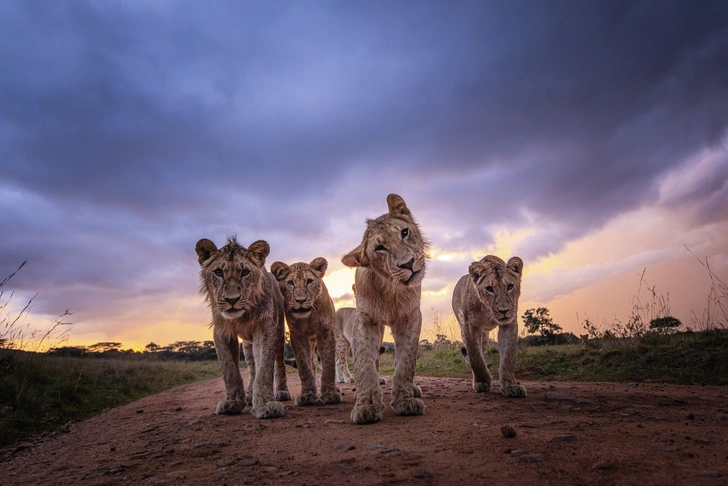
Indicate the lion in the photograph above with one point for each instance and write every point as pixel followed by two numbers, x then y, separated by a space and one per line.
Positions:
pixel 246 302
pixel 484 299
pixel 345 317
pixel 310 316
pixel 390 266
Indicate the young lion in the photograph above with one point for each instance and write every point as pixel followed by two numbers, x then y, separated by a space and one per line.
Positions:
pixel 390 265
pixel 484 299
pixel 310 316
pixel 345 317
pixel 245 301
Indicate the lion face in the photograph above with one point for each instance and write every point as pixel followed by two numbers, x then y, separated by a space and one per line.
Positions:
pixel 393 246
pixel 300 285
pixel 232 276
pixel 498 285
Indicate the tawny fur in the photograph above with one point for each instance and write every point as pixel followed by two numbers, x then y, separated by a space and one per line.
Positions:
pixel 343 331
pixel 486 298
pixel 390 266
pixel 310 316
pixel 245 302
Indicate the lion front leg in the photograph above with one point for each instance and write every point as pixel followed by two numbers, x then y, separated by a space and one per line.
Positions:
pixel 281 379
pixel 507 344
pixel 343 375
pixel 369 406
pixel 228 357
pixel 473 340
pixel 404 390
pixel 327 353
pixel 306 370
pixel 264 404
pixel 250 362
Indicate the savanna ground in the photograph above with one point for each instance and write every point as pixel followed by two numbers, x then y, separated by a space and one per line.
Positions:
pixel 631 432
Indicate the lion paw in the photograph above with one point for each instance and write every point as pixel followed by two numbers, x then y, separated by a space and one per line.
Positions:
pixel 268 410
pixel 331 398
pixel 283 395
pixel 230 407
pixel 481 386
pixel 515 391
pixel 305 399
pixel 409 406
pixel 366 414
pixel 416 391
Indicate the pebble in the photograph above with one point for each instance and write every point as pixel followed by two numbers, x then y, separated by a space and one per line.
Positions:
pixel 247 460
pixel 508 432
pixel 529 458
pixel 422 474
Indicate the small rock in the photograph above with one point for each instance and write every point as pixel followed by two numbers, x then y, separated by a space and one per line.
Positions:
pixel 529 458
pixel 422 474
pixel 247 460
pixel 225 462
pixel 663 448
pixel 177 475
pixel 334 421
pixel 178 409
pixel 140 411
pixel 508 432
pixel 344 447
pixel 563 438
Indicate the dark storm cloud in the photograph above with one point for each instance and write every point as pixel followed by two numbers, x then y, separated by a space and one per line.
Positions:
pixel 130 130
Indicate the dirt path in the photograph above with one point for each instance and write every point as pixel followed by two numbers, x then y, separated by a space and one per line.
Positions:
pixel 566 433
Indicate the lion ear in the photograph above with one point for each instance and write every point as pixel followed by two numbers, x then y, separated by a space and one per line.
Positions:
pixel 258 251
pixel 476 271
pixel 515 264
pixel 280 270
pixel 397 205
pixel 205 249
pixel 357 257
pixel 319 266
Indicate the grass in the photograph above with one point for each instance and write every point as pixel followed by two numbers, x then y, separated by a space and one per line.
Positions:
pixel 39 393
pixel 699 358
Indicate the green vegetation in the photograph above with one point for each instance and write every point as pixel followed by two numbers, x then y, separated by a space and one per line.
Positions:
pixel 689 358
pixel 40 392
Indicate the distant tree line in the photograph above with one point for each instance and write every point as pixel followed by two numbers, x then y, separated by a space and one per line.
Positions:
pixel 179 350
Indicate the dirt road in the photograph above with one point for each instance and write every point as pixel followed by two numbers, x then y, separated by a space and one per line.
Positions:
pixel 566 433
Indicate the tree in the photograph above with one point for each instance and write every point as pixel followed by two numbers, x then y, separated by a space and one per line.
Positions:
pixel 104 347
pixel 539 321
pixel 152 347
pixel 665 324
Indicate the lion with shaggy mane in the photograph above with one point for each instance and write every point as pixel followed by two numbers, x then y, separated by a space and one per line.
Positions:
pixel 245 301
pixel 486 298
pixel 390 266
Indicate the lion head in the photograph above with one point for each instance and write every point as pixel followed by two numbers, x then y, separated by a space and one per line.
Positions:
pixel 232 276
pixel 393 246
pixel 301 285
pixel 498 285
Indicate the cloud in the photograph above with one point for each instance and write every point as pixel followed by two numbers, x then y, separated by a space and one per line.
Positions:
pixel 128 131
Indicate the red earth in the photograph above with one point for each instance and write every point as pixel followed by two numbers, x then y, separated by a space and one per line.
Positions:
pixel 565 433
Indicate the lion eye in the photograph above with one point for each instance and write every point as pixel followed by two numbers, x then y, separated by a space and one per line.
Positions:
pixel 405 233
pixel 489 289
pixel 380 248
pixel 218 272
pixel 245 272
pixel 309 281
pixel 290 282
pixel 510 287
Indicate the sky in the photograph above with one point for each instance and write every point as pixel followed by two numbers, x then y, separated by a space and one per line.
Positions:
pixel 589 138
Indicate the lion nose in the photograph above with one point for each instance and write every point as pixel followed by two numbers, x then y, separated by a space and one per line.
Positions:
pixel 504 311
pixel 407 265
pixel 301 301
pixel 232 301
